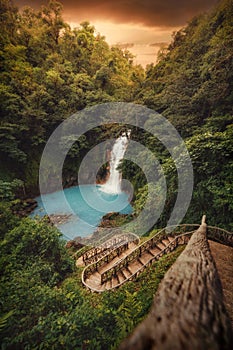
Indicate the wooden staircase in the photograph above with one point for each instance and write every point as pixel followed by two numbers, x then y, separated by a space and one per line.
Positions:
pixel 188 310
pixel 94 279
pixel 114 269
pixel 100 250
pixel 126 261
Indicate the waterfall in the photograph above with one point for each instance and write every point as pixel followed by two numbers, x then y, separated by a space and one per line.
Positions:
pixel 113 185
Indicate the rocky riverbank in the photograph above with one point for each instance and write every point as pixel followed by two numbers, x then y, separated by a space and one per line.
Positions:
pixel 59 219
pixel 113 220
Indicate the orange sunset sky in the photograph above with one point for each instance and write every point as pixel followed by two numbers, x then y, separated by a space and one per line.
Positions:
pixel 143 25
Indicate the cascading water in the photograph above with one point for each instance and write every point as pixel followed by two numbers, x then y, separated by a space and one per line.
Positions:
pixel 87 204
pixel 113 185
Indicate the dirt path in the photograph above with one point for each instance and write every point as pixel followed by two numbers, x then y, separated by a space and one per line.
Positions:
pixel 223 256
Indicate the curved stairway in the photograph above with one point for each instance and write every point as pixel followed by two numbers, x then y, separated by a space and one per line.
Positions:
pixel 188 308
pixel 114 269
pixel 122 242
pixel 123 262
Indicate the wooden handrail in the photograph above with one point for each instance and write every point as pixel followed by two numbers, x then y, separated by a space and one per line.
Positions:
pixel 213 233
pixel 220 235
pixel 88 270
pixel 188 311
pixel 150 243
pixel 92 255
pixel 173 244
pixel 94 266
pixel 169 248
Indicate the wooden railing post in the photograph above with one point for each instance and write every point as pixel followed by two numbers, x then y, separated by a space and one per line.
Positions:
pixel 203 220
pixel 188 311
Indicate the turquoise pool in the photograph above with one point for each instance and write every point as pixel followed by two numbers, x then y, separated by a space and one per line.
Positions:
pixel 84 207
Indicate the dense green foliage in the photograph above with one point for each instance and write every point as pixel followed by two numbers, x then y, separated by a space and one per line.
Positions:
pixel 44 308
pixel 191 85
pixel 33 262
pixel 49 71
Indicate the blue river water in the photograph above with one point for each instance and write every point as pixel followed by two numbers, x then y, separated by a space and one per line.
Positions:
pixel 85 205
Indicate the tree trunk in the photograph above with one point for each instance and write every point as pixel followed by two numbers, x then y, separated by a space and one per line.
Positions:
pixel 188 311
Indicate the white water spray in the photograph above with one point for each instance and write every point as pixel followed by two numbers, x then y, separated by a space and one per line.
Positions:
pixel 113 185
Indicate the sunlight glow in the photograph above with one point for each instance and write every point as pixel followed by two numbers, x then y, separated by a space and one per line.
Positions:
pixel 143 42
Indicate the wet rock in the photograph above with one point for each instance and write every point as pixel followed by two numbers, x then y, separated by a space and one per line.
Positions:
pixel 110 219
pixel 74 244
pixel 59 219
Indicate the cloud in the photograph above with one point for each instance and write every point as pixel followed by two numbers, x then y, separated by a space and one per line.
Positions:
pixel 151 13
pixel 125 45
pixel 159 44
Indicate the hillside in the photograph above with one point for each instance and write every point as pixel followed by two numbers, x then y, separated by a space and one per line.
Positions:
pixel 192 86
pixel 48 71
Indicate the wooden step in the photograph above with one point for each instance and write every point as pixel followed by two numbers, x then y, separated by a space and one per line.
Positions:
pixel 161 245
pixel 100 287
pixel 93 284
pixel 170 238
pixel 140 261
pixel 135 265
pixel 108 284
pixel 150 252
pixel 165 242
pixel 121 276
pixel 146 256
pixel 155 250
pixel 118 278
pixel 126 272
pixel 124 254
pixel 115 281
pixel 96 277
pixel 132 245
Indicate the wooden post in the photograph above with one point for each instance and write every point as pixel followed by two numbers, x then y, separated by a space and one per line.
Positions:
pixel 203 220
pixel 188 311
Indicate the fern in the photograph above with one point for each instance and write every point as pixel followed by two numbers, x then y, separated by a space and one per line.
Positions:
pixel 4 319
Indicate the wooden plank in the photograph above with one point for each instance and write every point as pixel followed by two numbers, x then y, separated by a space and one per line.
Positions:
pixel 188 311
pixel 223 256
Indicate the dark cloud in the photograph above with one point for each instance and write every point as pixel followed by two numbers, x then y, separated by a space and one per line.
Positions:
pixel 153 13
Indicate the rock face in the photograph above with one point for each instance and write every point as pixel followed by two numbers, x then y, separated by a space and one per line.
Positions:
pixel 70 181
pixel 110 219
pixel 74 244
pixel 59 219
pixel 188 311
